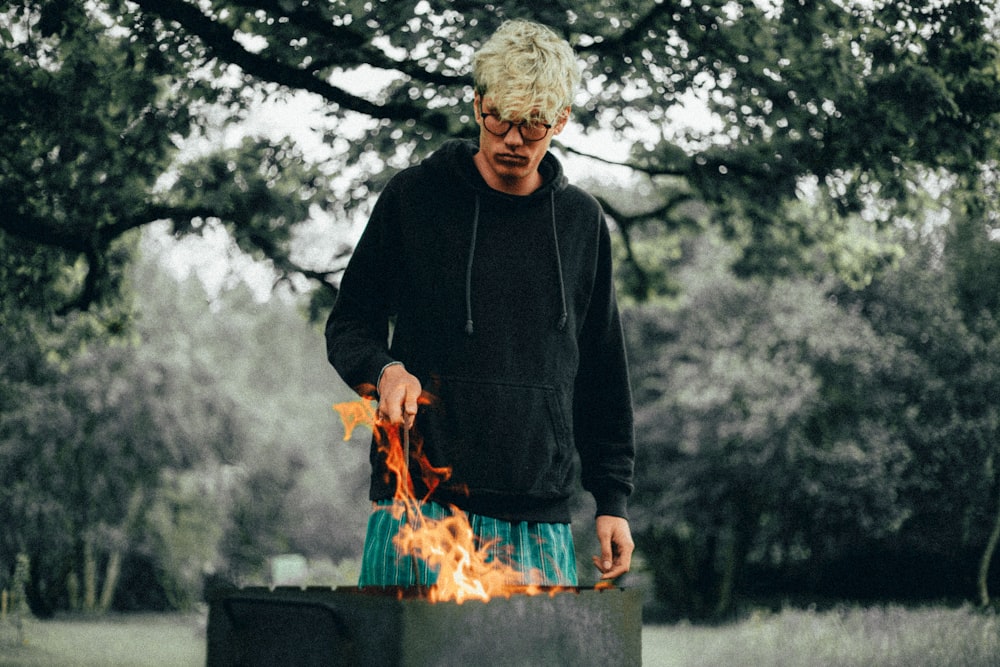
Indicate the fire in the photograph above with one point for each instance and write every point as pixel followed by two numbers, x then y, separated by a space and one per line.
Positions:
pixel 354 414
pixel 467 569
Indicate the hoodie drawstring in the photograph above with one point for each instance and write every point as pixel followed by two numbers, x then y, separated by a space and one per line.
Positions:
pixel 468 271
pixel 563 316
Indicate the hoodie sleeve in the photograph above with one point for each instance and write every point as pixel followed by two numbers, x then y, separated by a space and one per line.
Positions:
pixel 357 330
pixel 603 421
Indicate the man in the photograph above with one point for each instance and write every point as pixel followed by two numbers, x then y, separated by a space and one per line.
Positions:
pixel 496 274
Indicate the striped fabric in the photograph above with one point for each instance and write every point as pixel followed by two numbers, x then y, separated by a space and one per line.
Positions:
pixel 545 549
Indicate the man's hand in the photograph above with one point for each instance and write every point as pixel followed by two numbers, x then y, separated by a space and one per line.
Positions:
pixel 398 393
pixel 615 539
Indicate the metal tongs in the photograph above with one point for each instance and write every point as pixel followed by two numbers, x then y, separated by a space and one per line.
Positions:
pixel 413 513
pixel 413 520
pixel 406 453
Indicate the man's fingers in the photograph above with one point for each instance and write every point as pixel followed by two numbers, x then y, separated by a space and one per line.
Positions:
pixel 409 415
pixel 398 398
pixel 615 540
pixel 392 410
pixel 615 572
pixel 605 561
pixel 607 557
pixel 410 406
pixel 610 570
pixel 601 564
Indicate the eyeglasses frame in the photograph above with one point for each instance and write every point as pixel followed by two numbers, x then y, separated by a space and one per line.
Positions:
pixel 512 124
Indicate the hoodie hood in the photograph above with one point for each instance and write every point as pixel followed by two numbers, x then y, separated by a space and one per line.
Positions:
pixel 455 158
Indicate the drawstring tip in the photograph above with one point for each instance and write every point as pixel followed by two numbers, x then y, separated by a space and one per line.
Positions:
pixel 562 322
pixel 468 327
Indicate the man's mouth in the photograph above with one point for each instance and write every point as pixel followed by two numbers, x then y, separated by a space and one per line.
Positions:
pixel 511 159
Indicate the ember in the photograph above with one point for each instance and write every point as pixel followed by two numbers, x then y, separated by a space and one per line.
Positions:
pixel 466 569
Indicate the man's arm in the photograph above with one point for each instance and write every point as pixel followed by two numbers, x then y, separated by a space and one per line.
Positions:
pixel 602 398
pixel 357 329
pixel 603 418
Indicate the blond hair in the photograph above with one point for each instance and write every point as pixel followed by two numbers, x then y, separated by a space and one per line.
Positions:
pixel 527 70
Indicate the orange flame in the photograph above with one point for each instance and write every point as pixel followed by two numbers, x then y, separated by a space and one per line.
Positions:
pixel 467 568
pixel 354 414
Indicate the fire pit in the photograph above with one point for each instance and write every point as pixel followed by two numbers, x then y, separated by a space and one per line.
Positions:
pixel 352 626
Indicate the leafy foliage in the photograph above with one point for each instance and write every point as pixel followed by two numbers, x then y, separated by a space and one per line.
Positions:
pixel 91 122
pixel 947 378
pixel 759 430
pixel 802 430
pixel 207 443
pixel 825 92
pixel 83 449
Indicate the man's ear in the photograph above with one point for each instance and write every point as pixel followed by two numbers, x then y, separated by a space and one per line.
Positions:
pixel 477 104
pixel 560 123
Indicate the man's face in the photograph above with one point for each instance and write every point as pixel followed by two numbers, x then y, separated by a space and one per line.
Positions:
pixel 509 163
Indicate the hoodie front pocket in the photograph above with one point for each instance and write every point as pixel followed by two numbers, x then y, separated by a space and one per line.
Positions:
pixel 507 438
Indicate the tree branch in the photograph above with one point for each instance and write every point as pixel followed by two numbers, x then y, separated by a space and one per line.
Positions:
pixel 219 41
pixel 93 245
pixel 643 169
pixel 351 46
pixel 41 232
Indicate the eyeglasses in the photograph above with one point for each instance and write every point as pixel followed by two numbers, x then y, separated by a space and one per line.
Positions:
pixel 529 130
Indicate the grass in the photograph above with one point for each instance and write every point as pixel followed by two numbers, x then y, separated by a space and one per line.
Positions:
pixel 134 640
pixel 881 636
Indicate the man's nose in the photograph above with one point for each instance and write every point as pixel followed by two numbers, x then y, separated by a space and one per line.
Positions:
pixel 513 136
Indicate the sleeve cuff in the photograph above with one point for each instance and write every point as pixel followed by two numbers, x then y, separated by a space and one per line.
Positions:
pixel 378 380
pixel 612 504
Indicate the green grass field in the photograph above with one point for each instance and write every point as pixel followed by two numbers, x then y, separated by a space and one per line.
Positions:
pixel 143 640
pixel 889 636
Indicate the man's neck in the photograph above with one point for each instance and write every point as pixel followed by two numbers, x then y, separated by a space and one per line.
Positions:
pixel 521 187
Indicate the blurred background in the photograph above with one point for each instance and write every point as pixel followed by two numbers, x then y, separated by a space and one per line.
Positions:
pixel 804 207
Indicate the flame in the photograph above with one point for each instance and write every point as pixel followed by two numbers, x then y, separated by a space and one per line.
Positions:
pixel 354 414
pixel 467 567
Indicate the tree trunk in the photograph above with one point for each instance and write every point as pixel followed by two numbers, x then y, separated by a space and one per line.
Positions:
pixel 73 590
pixel 113 570
pixel 726 578
pixel 89 576
pixel 111 574
pixel 733 552
pixel 987 559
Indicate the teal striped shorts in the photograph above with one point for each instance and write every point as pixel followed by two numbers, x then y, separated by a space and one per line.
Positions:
pixel 545 551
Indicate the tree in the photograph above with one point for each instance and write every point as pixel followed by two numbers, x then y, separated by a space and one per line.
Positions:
pixel 84 456
pixel 973 255
pixel 92 115
pixel 149 455
pixel 759 432
pixel 89 129
pixel 293 485
pixel 940 304
pixel 799 91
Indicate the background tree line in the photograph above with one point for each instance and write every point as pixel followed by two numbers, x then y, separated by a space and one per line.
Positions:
pixel 812 281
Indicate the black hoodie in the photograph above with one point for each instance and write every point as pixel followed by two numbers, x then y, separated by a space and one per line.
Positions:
pixel 504 308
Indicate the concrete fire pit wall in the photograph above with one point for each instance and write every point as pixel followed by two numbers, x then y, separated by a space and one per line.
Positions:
pixel 347 626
